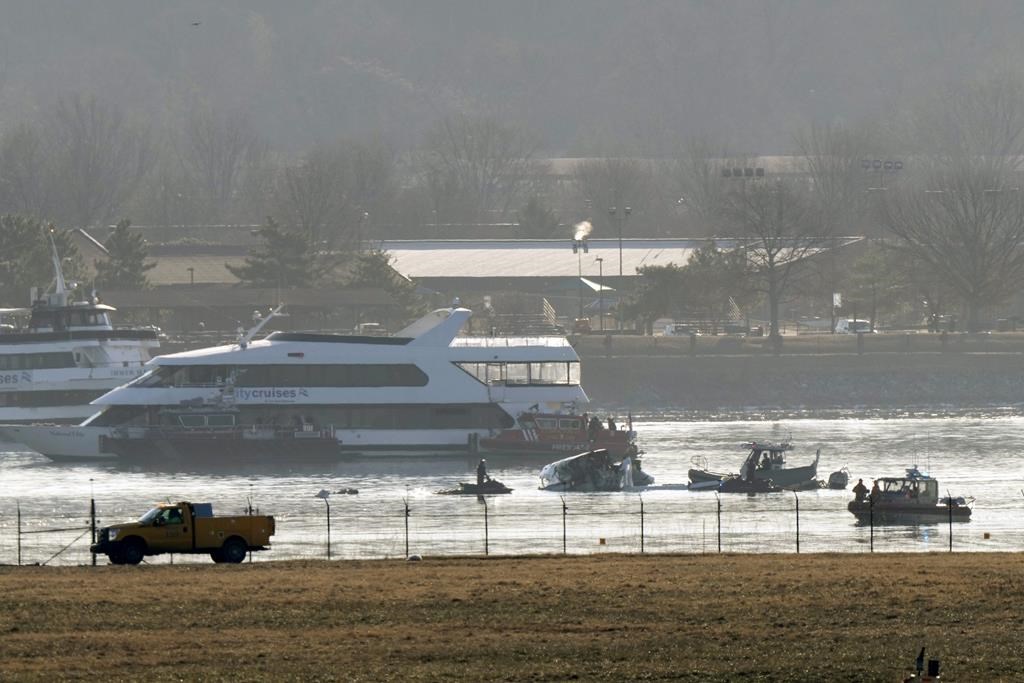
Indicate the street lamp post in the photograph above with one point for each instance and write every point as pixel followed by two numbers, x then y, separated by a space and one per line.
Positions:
pixel 324 494
pixel 614 213
pixel 600 292
pixel 579 247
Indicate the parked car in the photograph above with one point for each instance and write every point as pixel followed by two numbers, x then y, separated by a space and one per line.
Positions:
pixel 852 326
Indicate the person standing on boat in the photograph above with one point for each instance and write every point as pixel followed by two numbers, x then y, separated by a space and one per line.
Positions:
pixel 875 491
pixel 860 491
pixel 481 473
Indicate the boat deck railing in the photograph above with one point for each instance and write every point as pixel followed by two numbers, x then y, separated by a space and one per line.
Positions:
pixel 509 342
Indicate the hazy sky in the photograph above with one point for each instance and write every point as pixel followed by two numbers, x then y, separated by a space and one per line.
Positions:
pixel 587 76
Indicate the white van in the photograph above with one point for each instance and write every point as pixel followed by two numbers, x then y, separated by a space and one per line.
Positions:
pixel 851 326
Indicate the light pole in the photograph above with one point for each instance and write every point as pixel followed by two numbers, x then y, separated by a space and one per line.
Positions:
pixel 600 292
pixel 579 247
pixel 614 213
pixel 325 494
pixel 191 275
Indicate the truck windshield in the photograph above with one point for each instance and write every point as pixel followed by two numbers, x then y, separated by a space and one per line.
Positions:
pixel 149 516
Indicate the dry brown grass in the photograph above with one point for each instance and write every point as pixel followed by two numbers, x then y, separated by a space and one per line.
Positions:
pixel 767 617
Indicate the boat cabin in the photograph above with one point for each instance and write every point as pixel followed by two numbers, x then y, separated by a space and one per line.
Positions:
pixel 767 455
pixel 914 487
pixel 81 316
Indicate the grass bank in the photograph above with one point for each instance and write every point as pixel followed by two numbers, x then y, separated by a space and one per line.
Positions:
pixel 767 617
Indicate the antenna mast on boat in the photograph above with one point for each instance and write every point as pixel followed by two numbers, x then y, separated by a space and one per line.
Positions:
pixel 243 340
pixel 60 293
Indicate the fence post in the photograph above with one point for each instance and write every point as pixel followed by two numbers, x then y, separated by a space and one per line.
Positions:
pixel 949 506
pixel 19 533
pixel 641 524
pixel 718 499
pixel 405 501
pixel 871 523
pixel 486 531
pixel 565 511
pixel 797 497
pixel 92 525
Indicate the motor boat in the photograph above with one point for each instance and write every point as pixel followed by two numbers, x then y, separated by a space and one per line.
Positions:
pixel 488 488
pixel 911 499
pixel 765 461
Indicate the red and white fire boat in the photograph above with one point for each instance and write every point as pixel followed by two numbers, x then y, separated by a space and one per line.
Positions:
pixel 556 433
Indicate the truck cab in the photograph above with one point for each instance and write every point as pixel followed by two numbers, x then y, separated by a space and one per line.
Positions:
pixel 185 527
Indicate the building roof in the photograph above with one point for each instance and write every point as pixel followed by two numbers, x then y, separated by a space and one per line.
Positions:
pixel 417 259
pixel 200 296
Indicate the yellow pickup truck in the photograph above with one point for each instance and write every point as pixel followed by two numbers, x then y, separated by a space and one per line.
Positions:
pixel 185 528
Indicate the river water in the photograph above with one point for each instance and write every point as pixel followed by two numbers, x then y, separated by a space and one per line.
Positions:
pixel 975 456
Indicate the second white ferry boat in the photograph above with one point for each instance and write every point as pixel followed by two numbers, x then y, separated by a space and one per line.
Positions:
pixel 424 391
pixel 67 354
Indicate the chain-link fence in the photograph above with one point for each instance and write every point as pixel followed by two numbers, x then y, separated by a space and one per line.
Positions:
pixel 349 528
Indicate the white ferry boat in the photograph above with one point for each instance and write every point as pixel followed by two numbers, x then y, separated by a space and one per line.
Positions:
pixel 423 391
pixel 64 356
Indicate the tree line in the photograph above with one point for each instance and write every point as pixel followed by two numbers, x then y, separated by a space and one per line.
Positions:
pixel 938 189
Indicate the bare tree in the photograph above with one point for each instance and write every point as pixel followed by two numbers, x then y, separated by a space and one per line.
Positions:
pixel 780 226
pixel 312 195
pixel 219 152
pixel 25 172
pixel 613 191
pixel 963 212
pixel 330 194
pixel 967 223
pixel 833 156
pixel 98 156
pixel 696 177
pixel 476 168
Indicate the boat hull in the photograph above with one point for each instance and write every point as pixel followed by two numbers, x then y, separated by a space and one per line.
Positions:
pixel 787 478
pixel 62 443
pixel 908 513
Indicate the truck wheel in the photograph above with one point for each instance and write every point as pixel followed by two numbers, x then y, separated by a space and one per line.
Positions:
pixel 234 550
pixel 217 555
pixel 133 551
pixel 115 557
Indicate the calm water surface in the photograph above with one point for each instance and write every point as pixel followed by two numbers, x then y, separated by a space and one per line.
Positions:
pixel 977 456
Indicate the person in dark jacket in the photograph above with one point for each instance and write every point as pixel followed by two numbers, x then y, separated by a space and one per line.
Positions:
pixel 481 473
pixel 860 491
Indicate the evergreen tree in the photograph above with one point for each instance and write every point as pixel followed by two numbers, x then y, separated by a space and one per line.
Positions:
pixel 661 293
pixel 284 260
pixel 125 266
pixel 26 257
pixel 372 269
pixel 537 220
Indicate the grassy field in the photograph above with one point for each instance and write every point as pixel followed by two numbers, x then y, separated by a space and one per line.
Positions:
pixel 761 617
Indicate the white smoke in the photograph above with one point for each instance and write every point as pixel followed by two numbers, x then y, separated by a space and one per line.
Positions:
pixel 582 230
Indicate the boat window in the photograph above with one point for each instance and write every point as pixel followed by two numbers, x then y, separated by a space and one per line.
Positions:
pixel 119 416
pixel 37 361
pixel 192 420
pixel 569 425
pixel 546 423
pixel 57 397
pixel 554 373
pixel 220 420
pixel 517 373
